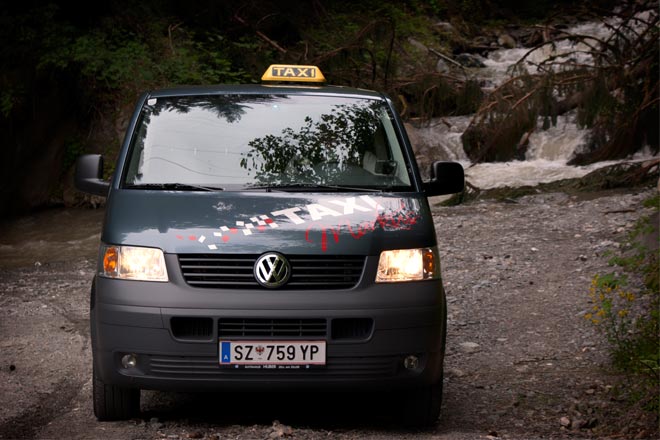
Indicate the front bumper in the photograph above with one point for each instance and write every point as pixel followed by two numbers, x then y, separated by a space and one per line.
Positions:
pixel 136 317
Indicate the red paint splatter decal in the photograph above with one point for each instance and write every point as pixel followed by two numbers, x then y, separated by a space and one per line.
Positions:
pixel 389 220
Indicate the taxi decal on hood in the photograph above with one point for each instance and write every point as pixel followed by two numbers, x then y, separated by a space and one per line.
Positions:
pixel 321 218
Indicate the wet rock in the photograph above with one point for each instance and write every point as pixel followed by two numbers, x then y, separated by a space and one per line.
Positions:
pixel 534 38
pixel 506 40
pixel 469 60
pixel 481 41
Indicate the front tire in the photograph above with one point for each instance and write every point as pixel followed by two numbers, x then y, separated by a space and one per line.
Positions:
pixel 421 406
pixel 112 402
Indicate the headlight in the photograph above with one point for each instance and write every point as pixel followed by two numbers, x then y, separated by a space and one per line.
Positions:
pixel 133 263
pixel 408 265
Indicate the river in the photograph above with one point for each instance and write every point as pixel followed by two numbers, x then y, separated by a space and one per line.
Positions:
pixel 549 151
pixel 51 235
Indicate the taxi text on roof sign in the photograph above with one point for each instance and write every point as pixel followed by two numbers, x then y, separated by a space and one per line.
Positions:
pixel 293 73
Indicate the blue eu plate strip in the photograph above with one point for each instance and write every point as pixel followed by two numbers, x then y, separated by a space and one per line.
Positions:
pixel 225 352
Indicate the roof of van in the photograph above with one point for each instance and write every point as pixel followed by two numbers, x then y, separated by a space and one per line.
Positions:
pixel 265 89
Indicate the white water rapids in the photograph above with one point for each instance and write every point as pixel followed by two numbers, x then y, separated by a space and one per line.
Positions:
pixel 549 150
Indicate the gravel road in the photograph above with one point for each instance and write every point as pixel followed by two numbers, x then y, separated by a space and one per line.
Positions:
pixel 522 363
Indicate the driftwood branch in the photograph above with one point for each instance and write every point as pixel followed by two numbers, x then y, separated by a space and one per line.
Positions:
pixel 171 28
pixel 445 57
pixel 261 35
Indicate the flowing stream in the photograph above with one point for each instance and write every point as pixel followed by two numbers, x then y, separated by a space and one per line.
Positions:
pixel 52 235
pixel 549 150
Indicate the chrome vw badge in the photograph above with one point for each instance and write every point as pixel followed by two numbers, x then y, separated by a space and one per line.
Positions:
pixel 272 270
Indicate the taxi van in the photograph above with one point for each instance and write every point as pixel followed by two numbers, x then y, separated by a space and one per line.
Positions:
pixel 267 237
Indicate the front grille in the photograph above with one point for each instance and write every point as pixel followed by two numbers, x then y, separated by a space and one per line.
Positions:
pixel 177 367
pixel 220 271
pixel 286 328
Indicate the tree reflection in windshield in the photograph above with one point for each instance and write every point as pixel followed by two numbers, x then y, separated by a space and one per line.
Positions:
pixel 227 107
pixel 318 151
pixel 240 140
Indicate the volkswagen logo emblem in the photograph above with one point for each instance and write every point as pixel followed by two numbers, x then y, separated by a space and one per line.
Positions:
pixel 272 270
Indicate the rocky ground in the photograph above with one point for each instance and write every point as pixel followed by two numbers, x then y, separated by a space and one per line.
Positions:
pixel 522 362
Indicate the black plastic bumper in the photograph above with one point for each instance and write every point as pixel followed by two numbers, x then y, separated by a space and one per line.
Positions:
pixel 131 317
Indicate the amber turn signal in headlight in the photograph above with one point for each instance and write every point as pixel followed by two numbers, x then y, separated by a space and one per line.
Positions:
pixel 133 263
pixel 408 265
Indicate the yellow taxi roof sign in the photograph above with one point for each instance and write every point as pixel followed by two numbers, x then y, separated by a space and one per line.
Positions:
pixel 293 73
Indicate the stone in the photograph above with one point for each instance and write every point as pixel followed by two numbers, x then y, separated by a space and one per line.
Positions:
pixel 455 372
pixel 418 45
pixel 565 422
pixel 506 40
pixel 469 347
pixel 469 60
pixel 578 424
pixel 445 26
pixel 441 66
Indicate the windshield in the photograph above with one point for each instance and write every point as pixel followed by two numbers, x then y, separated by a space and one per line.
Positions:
pixel 250 141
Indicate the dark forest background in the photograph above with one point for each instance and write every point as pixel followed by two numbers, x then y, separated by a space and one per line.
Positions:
pixel 71 74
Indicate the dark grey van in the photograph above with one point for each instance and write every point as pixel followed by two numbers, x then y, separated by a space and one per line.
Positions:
pixel 267 237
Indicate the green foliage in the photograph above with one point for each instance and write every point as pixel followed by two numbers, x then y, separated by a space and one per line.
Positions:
pixel 73 148
pixel 9 97
pixel 115 60
pixel 363 45
pixel 639 258
pixel 628 313
pixel 108 61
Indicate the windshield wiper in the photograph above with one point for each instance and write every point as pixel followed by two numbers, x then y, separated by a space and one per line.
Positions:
pixel 174 186
pixel 312 186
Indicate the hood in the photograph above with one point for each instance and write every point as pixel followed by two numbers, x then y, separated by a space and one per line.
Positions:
pixel 253 223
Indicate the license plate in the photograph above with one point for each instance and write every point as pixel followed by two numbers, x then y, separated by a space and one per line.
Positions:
pixel 272 352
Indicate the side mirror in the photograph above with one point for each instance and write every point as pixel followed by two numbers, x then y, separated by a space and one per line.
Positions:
pixel 446 178
pixel 89 175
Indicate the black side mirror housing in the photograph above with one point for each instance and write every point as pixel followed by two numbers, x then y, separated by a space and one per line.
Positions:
pixel 89 175
pixel 446 178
